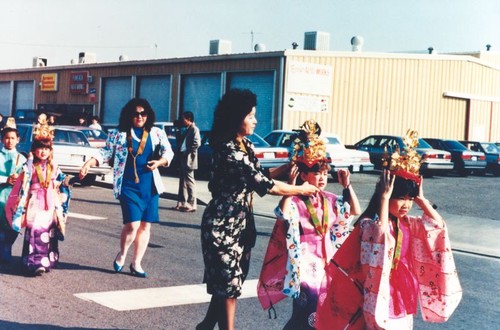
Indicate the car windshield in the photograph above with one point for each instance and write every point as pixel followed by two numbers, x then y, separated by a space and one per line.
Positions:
pixel 258 141
pixel 95 134
pixel 423 144
pixel 490 147
pixel 70 137
pixel 455 145
pixel 332 140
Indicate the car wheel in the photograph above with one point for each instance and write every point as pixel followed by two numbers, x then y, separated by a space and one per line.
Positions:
pixel 88 180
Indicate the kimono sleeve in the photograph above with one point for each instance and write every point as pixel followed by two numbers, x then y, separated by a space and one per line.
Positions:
pixel 439 288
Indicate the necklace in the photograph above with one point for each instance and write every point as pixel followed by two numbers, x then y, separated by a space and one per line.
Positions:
pixel 44 182
pixel 396 224
pixel 321 227
pixel 140 150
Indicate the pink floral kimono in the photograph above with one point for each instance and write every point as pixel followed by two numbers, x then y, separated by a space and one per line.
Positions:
pixel 42 211
pixel 297 254
pixel 375 282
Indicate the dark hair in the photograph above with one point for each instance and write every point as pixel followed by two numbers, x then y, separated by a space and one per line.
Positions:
pixel 8 130
pixel 95 118
pixel 402 187
pixel 42 143
pixel 230 112
pixel 128 112
pixel 188 115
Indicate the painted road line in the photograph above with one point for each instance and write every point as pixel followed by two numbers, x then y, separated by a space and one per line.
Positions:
pixel 85 216
pixel 127 300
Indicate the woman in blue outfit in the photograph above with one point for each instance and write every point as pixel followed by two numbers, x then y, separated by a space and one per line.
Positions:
pixel 228 230
pixel 136 150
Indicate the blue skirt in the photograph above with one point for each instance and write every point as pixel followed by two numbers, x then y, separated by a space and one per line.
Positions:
pixel 137 203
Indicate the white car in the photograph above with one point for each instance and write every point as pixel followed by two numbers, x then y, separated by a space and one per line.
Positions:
pixel 71 151
pixel 341 157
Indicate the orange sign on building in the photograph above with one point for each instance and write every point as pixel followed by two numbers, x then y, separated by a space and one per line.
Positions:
pixel 48 82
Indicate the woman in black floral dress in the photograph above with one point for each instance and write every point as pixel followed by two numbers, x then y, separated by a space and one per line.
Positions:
pixel 228 229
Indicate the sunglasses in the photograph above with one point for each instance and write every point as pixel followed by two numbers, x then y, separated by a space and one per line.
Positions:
pixel 141 114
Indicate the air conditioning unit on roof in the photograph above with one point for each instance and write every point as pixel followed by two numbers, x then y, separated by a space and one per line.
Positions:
pixel 317 40
pixel 39 62
pixel 220 46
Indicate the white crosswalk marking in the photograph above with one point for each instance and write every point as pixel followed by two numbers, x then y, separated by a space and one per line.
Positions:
pixel 85 216
pixel 126 300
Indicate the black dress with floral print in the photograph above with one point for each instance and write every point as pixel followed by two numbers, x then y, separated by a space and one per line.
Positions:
pixel 227 228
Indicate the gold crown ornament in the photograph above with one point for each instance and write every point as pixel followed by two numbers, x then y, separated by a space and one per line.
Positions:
pixel 406 163
pixel 42 130
pixel 10 123
pixel 309 148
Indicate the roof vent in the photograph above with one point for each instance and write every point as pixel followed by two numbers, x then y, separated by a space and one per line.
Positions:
pixel 430 50
pixel 317 40
pixel 85 58
pixel 357 43
pixel 488 47
pixel 259 47
pixel 123 58
pixel 220 46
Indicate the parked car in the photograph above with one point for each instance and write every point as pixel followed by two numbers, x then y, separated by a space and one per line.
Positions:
pixel 341 157
pixel 71 151
pixel 168 127
pixel 268 156
pixel 465 160
pixel 96 137
pixel 434 161
pixel 491 151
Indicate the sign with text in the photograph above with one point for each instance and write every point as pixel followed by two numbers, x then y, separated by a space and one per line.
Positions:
pixel 48 82
pixel 309 78
pixel 79 82
pixel 295 102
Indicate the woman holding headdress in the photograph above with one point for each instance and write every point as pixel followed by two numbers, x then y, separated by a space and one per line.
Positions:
pixel 135 150
pixel 308 232
pixel 228 230
pixel 39 201
pixel 392 260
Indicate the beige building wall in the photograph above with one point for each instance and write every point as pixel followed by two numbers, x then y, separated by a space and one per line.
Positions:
pixel 389 93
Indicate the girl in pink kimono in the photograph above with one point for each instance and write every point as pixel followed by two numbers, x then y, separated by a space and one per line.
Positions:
pixel 393 261
pixel 316 226
pixel 39 201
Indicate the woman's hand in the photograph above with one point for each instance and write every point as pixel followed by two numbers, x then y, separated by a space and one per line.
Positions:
pixel 12 179
pixel 85 168
pixel 84 171
pixel 344 177
pixel 309 189
pixel 154 164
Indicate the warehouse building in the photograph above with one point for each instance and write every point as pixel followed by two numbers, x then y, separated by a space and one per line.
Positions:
pixel 353 94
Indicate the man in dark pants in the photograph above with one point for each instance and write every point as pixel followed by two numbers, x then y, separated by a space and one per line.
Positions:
pixel 188 162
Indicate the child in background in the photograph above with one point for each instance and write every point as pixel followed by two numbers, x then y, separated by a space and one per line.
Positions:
pixel 39 202
pixel 393 261
pixel 316 227
pixel 11 163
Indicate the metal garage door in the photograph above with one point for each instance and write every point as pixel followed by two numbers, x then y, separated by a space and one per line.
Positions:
pixel 116 93
pixel 157 90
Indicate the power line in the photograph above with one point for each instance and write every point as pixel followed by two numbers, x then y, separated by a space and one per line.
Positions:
pixel 73 46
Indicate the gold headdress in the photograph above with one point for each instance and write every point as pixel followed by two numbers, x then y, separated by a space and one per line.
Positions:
pixel 406 163
pixel 42 130
pixel 309 148
pixel 10 123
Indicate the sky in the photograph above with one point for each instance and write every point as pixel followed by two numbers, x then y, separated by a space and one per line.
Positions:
pixel 155 29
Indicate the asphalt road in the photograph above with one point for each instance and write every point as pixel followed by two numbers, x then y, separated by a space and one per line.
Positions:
pixel 174 259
